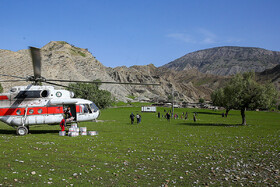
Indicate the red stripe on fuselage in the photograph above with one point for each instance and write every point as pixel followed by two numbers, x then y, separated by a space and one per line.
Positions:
pixel 3 97
pixel 36 111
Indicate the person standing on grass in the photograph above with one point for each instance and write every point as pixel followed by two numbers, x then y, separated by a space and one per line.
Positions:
pixel 138 118
pixel 168 116
pixel 132 118
pixel 194 117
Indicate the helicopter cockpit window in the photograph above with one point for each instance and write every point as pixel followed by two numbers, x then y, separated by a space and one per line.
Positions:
pixel 87 109
pixel 94 107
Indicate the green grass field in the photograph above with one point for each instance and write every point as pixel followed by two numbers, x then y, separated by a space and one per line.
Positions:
pixel 214 151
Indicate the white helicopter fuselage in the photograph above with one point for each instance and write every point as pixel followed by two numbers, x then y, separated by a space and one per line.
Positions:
pixel 33 105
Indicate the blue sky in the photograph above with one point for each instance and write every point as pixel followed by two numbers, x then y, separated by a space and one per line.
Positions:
pixel 140 32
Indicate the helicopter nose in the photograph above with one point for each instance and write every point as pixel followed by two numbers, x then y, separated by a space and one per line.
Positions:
pixel 98 113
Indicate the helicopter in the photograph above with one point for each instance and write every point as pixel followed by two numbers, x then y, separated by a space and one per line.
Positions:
pixel 37 104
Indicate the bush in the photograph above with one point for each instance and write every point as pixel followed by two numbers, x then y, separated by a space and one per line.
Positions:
pixel 90 91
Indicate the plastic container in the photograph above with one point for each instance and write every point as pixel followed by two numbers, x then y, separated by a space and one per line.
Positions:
pixel 83 129
pixel 62 133
pixel 73 134
pixel 92 133
pixel 74 125
pixel 83 133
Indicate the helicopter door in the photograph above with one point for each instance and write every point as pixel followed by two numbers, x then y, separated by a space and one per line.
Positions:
pixel 73 110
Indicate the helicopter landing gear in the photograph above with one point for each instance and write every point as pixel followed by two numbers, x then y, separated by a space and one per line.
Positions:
pixel 22 130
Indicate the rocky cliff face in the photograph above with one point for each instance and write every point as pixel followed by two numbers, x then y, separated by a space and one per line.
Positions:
pixel 61 60
pixel 227 60
pixel 188 85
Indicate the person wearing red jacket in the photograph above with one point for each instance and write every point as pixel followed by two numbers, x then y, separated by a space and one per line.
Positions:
pixel 67 115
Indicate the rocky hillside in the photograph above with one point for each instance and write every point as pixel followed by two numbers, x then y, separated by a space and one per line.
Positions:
pixel 227 60
pixel 61 60
pixel 188 85
pixel 270 75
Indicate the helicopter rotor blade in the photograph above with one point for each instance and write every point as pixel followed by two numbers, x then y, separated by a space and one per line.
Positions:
pixel 36 60
pixel 12 80
pixel 55 84
pixel 12 76
pixel 104 82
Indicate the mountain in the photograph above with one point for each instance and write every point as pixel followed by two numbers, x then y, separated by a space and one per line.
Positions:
pixel 227 60
pixel 189 85
pixel 61 60
pixel 270 75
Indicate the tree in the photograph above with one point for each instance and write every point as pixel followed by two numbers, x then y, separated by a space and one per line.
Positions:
pixel 1 89
pixel 243 92
pixel 101 98
pixel 201 100
pixel 221 97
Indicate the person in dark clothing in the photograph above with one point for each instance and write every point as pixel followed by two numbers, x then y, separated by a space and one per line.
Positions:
pixel 186 116
pixel 168 116
pixel 158 114
pixel 132 118
pixel 68 113
pixel 194 117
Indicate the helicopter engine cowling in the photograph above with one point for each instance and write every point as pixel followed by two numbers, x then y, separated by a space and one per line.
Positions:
pixel 32 94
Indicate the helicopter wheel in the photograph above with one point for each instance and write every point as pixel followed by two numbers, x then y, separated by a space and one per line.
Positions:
pixel 22 130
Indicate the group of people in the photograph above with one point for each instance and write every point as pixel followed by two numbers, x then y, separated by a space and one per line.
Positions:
pixel 169 115
pixel 138 118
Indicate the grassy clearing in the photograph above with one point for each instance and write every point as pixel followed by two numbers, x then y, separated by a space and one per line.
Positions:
pixel 212 151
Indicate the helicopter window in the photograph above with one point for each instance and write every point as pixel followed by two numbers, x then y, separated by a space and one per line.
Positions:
pixel 85 109
pixel 94 107
pixel 18 112
pixel 81 108
pixel 40 111
pixel 89 109
pixel 31 111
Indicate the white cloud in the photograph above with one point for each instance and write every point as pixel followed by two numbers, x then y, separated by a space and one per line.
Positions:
pixel 207 37
pixel 182 37
pixel 201 36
